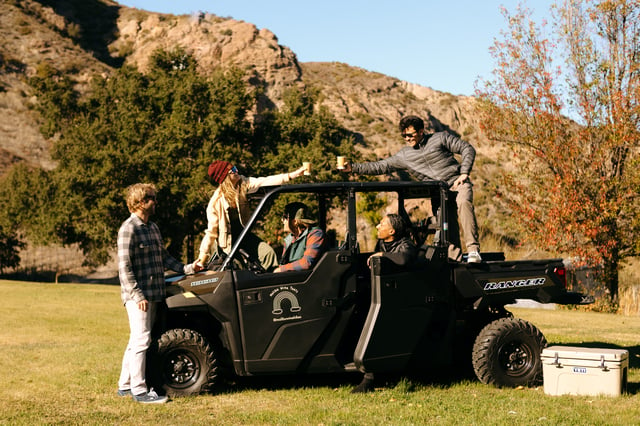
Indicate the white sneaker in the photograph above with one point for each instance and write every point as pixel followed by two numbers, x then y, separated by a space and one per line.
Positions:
pixel 474 257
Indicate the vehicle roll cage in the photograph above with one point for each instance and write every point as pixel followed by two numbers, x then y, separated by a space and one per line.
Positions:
pixel 347 191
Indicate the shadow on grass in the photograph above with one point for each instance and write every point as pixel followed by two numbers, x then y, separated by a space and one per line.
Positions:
pixel 383 381
pixel 442 378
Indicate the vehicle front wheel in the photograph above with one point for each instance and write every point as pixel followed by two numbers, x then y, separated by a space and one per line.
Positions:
pixel 507 353
pixel 182 363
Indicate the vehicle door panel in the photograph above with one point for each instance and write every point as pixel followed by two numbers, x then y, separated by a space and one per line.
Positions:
pixel 406 303
pixel 284 317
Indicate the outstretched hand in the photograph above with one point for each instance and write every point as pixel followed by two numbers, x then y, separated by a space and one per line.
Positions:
pixel 346 168
pixel 296 173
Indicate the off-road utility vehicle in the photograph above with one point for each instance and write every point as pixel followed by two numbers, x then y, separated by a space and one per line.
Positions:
pixel 343 315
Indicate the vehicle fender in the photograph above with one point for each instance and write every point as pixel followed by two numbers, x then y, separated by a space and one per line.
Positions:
pixel 184 300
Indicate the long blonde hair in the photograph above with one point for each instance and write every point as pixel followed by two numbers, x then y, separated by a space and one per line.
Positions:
pixel 231 192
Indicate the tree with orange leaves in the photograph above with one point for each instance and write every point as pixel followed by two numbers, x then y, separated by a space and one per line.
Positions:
pixel 572 131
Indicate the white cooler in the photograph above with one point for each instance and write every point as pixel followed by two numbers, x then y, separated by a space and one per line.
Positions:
pixel 584 371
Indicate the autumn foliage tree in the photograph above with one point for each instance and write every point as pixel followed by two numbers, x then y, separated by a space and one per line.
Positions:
pixel 566 107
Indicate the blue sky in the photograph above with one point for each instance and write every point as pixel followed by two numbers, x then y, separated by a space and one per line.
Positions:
pixel 439 44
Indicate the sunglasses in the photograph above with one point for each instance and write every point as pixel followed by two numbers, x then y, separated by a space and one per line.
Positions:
pixel 149 198
pixel 233 171
pixel 409 135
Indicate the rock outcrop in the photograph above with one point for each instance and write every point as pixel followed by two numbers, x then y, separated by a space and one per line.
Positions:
pixel 215 42
pixel 82 44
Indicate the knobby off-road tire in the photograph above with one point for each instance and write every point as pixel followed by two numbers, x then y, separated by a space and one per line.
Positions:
pixel 507 353
pixel 182 363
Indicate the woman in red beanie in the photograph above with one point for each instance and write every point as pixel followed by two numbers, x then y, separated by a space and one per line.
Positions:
pixel 228 211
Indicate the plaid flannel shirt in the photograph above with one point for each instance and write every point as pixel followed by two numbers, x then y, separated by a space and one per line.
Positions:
pixel 314 247
pixel 142 260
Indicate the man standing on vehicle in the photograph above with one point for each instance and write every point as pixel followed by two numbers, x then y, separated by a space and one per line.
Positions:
pixel 142 259
pixel 394 244
pixel 431 157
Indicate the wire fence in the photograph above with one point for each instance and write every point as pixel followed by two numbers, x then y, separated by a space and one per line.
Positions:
pixel 58 264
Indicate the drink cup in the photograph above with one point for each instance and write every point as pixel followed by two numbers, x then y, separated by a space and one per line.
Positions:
pixel 307 168
pixel 340 162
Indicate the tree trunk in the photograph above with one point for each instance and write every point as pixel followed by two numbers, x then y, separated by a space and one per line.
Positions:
pixel 610 275
pixel 190 248
pixel 611 261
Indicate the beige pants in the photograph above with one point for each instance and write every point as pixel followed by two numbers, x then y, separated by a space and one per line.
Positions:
pixel 267 256
pixel 466 216
pixel 261 251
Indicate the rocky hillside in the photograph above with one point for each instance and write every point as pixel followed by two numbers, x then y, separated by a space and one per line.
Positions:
pixel 372 104
pixel 85 38
pixel 89 37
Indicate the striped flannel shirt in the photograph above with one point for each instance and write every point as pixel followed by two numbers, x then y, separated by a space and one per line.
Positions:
pixel 142 260
pixel 314 244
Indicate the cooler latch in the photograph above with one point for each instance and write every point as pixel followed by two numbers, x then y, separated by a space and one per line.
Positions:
pixel 602 366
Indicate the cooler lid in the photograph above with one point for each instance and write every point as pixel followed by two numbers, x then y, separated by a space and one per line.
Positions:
pixel 575 352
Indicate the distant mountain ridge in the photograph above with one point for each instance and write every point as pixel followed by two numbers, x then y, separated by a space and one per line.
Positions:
pixel 68 35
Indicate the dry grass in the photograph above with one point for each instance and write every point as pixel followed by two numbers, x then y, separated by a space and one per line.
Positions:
pixel 629 291
pixel 61 346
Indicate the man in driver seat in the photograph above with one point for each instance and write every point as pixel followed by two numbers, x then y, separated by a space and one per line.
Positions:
pixel 305 243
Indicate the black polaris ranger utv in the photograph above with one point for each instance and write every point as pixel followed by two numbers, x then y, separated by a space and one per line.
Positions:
pixel 344 316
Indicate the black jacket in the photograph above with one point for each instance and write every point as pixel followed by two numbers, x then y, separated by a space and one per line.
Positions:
pixel 401 252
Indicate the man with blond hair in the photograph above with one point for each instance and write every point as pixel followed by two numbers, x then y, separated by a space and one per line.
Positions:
pixel 142 260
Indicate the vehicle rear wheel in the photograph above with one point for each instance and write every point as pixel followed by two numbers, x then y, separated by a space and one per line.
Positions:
pixel 182 363
pixel 507 353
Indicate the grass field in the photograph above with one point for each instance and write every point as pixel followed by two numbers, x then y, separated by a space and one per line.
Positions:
pixel 61 346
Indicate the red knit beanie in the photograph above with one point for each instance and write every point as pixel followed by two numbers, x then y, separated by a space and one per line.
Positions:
pixel 218 170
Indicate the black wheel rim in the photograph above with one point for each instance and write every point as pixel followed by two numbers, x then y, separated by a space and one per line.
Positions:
pixel 516 359
pixel 181 369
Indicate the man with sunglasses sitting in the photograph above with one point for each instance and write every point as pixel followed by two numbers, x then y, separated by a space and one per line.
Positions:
pixel 431 157
pixel 305 243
